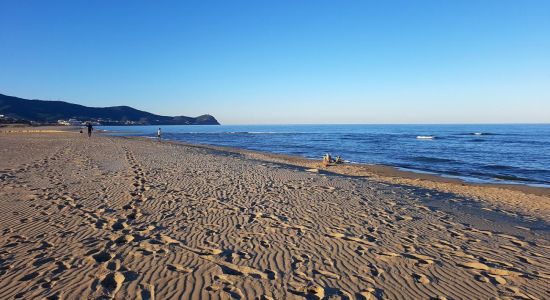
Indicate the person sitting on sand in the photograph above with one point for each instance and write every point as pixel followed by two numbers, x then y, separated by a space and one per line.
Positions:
pixel 159 133
pixel 326 159
pixel 90 128
pixel 338 160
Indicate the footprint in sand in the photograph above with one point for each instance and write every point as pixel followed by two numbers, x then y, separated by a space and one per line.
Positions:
pixel 421 278
pixel 112 282
pixel 61 267
pixel 125 239
pixel 310 291
pixel 102 256
pixel 369 294
pixel 119 225
pixel 42 261
pixel 30 276
pixel 360 250
pixel 114 265
pixel 146 291
pixel 375 271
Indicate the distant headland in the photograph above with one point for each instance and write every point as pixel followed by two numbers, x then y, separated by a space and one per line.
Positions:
pixel 40 112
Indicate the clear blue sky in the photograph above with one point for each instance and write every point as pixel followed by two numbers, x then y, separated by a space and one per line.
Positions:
pixel 286 61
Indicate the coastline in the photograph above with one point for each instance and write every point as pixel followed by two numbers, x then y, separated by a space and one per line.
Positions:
pixel 527 202
pixel 355 169
pixel 123 218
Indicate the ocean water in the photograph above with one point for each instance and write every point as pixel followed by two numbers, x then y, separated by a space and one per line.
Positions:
pixel 518 154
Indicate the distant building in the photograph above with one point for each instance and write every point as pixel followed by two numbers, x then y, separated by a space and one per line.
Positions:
pixel 70 122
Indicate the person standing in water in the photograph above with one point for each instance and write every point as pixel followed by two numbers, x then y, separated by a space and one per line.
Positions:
pixel 159 133
pixel 90 128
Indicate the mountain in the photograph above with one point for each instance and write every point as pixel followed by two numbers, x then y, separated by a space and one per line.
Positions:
pixel 41 111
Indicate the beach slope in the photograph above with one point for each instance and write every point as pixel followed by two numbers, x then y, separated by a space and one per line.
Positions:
pixel 109 217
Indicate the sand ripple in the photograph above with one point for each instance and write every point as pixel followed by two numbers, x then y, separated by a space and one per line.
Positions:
pixel 131 219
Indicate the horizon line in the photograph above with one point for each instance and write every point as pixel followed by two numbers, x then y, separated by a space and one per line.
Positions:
pixel 329 124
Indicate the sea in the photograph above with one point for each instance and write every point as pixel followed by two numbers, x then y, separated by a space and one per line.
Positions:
pixel 509 154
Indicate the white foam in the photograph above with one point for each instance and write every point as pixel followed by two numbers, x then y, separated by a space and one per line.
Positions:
pixel 425 137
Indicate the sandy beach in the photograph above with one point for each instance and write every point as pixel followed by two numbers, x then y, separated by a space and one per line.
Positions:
pixel 130 218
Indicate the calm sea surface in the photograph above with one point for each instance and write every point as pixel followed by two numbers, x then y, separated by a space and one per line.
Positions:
pixel 477 153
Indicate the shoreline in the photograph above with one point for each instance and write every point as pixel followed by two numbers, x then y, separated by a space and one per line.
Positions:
pixel 526 202
pixel 368 169
pixel 375 168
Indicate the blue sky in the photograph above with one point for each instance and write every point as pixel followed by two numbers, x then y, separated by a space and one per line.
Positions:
pixel 286 61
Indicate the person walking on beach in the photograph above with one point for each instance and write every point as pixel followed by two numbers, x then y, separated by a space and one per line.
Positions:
pixel 90 128
pixel 159 133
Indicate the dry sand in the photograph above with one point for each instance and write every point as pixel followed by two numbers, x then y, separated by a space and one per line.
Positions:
pixel 527 202
pixel 123 218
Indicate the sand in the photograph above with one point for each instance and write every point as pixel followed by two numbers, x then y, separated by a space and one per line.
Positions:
pixel 122 218
pixel 526 202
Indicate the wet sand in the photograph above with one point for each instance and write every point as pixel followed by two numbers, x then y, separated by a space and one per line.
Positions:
pixel 131 218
